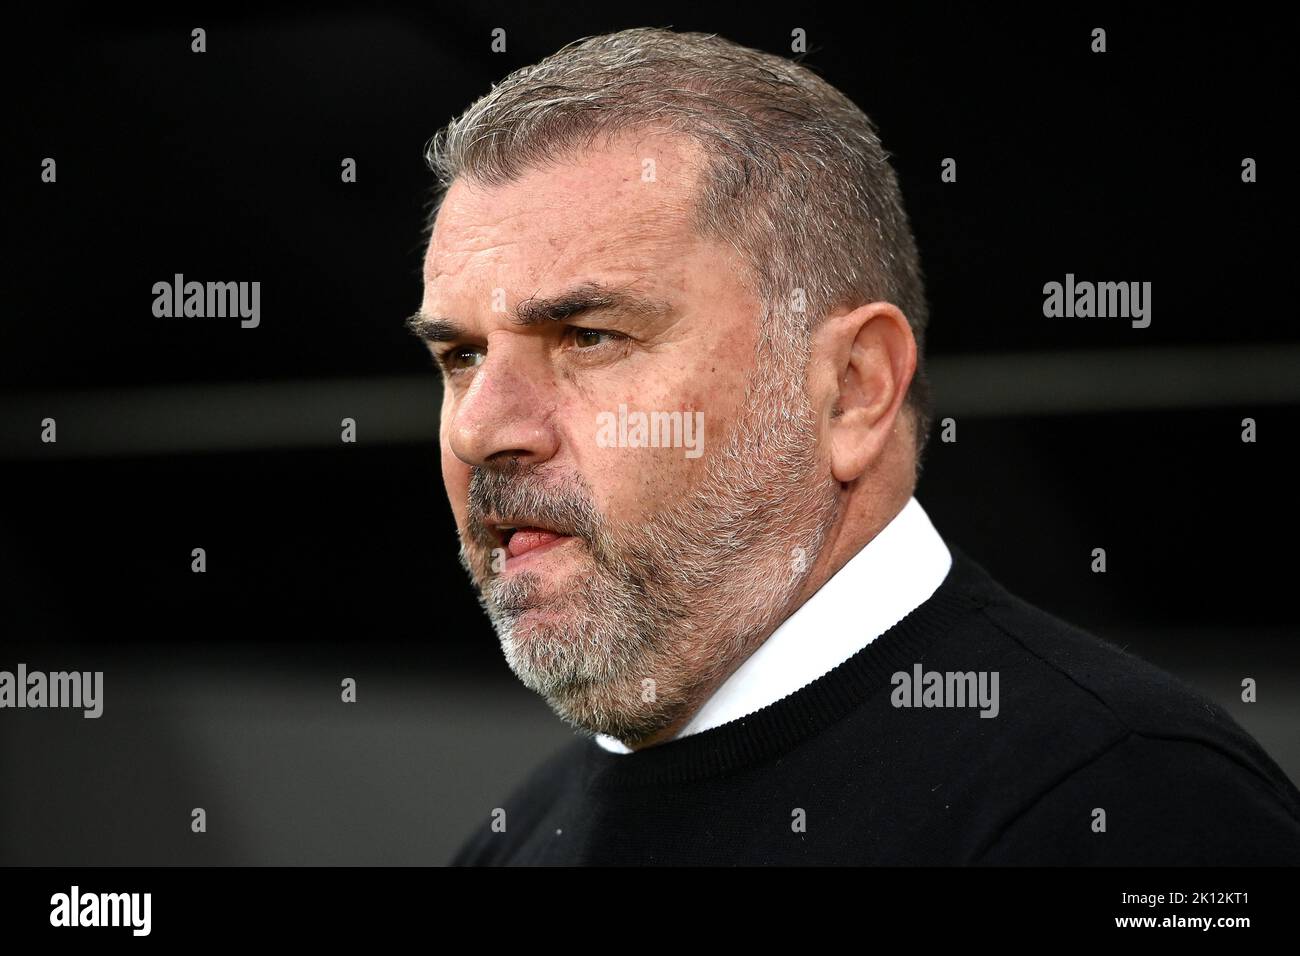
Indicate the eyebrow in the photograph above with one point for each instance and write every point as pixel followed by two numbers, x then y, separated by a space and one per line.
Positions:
pixel 581 299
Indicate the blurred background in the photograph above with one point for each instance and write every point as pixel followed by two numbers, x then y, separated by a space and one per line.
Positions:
pixel 329 560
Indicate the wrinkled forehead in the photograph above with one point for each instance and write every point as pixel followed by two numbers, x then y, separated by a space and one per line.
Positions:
pixel 622 206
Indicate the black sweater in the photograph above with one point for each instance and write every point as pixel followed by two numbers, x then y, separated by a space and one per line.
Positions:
pixel 836 773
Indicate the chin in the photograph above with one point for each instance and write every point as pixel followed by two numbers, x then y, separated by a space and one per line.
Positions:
pixel 541 654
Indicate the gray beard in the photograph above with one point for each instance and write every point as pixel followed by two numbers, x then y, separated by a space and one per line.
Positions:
pixel 669 608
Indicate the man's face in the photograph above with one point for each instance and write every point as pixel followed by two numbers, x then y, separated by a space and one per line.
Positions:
pixel 647 552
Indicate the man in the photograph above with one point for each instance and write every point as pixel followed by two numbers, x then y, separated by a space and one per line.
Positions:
pixel 679 315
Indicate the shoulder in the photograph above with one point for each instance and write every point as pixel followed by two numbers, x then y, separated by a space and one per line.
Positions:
pixel 1089 675
pixel 1154 801
pixel 1176 779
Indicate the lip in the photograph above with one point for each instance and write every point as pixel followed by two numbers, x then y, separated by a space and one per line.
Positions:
pixel 535 554
pixel 495 524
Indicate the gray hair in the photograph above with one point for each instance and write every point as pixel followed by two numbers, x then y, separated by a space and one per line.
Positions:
pixel 797 179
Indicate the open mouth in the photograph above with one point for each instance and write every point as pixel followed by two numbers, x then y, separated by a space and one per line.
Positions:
pixel 521 539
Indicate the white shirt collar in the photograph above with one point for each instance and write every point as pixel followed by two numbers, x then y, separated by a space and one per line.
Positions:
pixel 893 574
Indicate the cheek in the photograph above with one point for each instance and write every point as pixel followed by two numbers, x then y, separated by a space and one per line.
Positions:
pixel 632 483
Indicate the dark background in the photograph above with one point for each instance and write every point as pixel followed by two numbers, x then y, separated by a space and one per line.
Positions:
pixel 328 560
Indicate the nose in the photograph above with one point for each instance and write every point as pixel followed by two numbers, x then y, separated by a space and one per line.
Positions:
pixel 507 411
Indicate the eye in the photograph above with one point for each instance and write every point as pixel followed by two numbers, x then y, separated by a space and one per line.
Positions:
pixel 455 360
pixel 464 358
pixel 589 339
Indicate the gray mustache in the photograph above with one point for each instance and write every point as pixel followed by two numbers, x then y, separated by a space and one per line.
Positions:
pixel 518 492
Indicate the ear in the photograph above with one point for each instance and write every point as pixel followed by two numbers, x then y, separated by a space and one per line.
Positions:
pixel 862 364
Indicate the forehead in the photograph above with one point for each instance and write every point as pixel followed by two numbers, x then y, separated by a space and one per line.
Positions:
pixel 619 207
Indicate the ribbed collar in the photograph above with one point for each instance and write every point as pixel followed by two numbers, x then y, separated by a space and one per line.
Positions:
pixel 780 726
